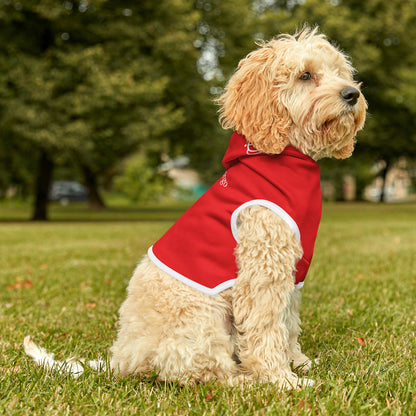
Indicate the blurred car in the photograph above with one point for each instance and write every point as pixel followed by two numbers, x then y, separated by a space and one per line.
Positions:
pixel 68 191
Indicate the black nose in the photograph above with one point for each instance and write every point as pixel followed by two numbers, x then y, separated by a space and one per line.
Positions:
pixel 350 95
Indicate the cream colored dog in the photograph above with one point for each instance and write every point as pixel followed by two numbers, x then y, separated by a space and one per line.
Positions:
pixel 294 91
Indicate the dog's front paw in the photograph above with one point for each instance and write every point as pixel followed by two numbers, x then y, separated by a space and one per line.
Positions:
pixel 306 382
pixel 304 364
pixel 295 382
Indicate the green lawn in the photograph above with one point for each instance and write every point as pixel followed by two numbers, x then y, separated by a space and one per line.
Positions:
pixel 62 282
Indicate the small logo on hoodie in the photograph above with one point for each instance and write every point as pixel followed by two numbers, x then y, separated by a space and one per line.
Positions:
pixel 250 149
pixel 223 180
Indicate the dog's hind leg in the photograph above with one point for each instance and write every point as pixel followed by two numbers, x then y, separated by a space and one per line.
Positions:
pixel 266 254
pixel 198 346
pixel 177 331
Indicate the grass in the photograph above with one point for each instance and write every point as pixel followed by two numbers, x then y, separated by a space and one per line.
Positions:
pixel 63 282
pixel 118 211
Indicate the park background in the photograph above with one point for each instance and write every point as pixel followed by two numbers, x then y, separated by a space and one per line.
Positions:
pixel 117 96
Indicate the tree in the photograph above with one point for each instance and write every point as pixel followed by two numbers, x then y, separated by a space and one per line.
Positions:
pixel 223 35
pixel 88 83
pixel 80 83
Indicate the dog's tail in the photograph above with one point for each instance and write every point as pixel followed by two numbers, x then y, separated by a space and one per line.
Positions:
pixel 71 366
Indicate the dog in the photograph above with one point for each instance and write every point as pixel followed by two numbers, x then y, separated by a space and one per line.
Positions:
pixel 217 297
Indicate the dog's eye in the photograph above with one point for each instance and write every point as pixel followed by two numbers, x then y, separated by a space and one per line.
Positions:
pixel 306 76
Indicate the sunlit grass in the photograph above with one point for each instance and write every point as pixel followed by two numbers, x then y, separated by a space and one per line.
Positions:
pixel 117 209
pixel 63 282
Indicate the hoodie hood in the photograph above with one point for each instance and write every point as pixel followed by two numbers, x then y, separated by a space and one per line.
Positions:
pixel 239 148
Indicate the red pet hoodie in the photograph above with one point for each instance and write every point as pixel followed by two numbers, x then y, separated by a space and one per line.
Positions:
pixel 199 248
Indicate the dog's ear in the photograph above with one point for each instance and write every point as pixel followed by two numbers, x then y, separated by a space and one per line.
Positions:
pixel 251 104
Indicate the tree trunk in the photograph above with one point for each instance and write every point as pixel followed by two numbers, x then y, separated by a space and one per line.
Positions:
pixel 95 199
pixel 42 185
pixel 383 185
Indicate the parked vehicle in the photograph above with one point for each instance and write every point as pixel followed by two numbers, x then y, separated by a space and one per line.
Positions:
pixel 68 191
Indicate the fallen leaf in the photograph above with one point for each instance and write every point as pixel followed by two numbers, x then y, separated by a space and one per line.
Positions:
pixel 20 285
pixel 43 266
pixel 361 341
pixel 91 305
pixel 302 405
pixel 414 282
pixel 359 277
pixel 350 312
pixel 209 396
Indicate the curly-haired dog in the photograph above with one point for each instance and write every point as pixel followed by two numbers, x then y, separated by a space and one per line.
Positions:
pixel 217 297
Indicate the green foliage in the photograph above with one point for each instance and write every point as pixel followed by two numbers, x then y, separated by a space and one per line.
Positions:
pixel 223 35
pixel 16 168
pixel 80 93
pixel 91 83
pixel 141 182
pixel 87 83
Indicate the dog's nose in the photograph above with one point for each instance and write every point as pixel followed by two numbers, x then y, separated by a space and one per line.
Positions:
pixel 350 95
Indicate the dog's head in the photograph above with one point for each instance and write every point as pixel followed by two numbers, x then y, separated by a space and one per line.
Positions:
pixel 296 90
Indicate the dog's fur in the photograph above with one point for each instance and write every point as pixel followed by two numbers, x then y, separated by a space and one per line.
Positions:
pixel 249 332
